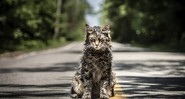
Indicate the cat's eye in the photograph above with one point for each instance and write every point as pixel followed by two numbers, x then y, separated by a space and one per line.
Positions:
pixel 92 40
pixel 90 30
pixel 101 40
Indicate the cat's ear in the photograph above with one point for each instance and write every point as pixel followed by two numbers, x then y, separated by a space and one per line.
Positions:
pixel 106 29
pixel 87 26
pixel 88 29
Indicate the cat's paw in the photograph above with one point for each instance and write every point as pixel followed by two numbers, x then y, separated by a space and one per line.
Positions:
pixel 74 96
pixel 104 96
pixel 86 96
pixel 111 92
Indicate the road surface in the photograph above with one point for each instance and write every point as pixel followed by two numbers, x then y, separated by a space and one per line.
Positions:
pixel 47 74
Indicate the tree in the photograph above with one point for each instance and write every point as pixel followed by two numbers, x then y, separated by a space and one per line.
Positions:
pixel 31 23
pixel 147 22
pixel 58 12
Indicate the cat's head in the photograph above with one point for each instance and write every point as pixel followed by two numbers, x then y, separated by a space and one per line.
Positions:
pixel 98 37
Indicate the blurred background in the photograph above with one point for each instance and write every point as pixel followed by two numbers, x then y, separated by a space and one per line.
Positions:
pixel 46 37
pixel 32 24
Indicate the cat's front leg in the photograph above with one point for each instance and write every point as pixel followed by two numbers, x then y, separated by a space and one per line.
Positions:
pixel 86 75
pixel 105 82
pixel 88 90
pixel 112 84
pixel 103 90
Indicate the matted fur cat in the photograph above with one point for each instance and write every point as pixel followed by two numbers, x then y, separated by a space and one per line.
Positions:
pixel 94 77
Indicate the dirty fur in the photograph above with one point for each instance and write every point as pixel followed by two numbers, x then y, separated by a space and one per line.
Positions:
pixel 94 77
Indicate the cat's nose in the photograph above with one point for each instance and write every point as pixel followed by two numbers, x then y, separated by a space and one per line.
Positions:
pixel 97 44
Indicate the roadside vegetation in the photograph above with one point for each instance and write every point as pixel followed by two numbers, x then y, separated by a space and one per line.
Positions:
pixel 27 25
pixel 158 24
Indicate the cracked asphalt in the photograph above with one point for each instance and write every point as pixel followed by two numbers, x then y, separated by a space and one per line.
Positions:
pixel 140 73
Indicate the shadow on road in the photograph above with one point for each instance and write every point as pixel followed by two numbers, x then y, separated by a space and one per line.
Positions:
pixel 155 79
pixel 152 78
pixel 59 67
pixel 153 87
pixel 165 67
pixel 50 90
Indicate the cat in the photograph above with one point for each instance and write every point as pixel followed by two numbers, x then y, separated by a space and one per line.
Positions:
pixel 94 77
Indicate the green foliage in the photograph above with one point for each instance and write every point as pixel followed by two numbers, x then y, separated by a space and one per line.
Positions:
pixel 26 24
pixel 147 22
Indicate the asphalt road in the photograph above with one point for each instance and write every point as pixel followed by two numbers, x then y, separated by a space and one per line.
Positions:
pixel 47 74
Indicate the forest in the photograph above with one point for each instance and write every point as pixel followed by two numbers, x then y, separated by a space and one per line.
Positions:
pixel 32 24
pixel 159 24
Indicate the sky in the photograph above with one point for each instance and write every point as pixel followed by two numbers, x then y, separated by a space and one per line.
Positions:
pixel 94 20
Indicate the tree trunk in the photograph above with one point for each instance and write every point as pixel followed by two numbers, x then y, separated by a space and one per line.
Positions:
pixel 57 21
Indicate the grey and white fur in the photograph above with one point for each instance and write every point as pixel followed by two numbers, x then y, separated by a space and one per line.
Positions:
pixel 94 77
